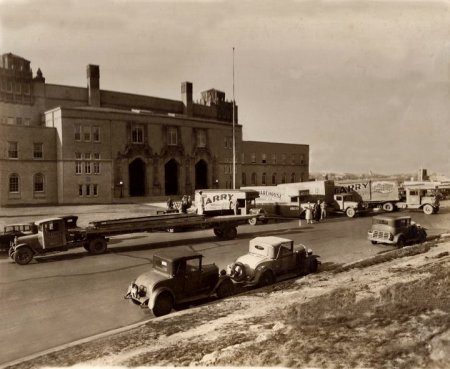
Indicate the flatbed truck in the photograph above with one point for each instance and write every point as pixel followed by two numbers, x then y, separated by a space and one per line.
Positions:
pixel 61 233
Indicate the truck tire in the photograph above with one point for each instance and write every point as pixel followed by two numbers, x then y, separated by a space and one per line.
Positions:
pixel 225 289
pixel 218 232
pixel 428 209
pixel 11 253
pixel 23 255
pixel 401 241
pixel 350 212
pixel 253 221
pixel 230 233
pixel 97 246
pixel 163 304
pixel 388 206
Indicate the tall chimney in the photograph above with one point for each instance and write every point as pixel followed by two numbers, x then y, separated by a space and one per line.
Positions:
pixel 93 81
pixel 186 97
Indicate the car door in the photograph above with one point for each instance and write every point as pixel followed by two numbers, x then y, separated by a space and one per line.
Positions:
pixel 193 278
pixel 286 258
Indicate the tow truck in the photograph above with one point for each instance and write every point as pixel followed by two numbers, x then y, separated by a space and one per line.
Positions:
pixel 62 233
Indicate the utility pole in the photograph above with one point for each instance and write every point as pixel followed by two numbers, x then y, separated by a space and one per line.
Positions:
pixel 234 133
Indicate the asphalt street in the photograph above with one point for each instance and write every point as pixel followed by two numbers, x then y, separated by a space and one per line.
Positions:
pixel 69 296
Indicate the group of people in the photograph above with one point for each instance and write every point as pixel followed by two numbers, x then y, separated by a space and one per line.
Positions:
pixel 186 203
pixel 315 212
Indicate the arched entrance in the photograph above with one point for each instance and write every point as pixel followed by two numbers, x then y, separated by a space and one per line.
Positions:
pixel 171 177
pixel 201 174
pixel 136 171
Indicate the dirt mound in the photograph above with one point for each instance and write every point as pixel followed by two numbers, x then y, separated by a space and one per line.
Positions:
pixel 389 314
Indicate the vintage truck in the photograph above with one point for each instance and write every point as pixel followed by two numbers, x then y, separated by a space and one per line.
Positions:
pixel 395 230
pixel 271 259
pixel 62 233
pixel 177 278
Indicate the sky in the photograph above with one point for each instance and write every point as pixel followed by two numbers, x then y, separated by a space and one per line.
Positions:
pixel 365 83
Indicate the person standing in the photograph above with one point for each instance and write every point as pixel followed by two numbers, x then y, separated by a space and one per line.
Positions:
pixel 199 202
pixel 317 211
pixel 323 210
pixel 308 214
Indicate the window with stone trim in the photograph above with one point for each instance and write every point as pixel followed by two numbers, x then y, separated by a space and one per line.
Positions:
pixel 96 133
pixel 13 150
pixel 274 178
pixel 77 132
pixel 253 179
pixel 78 163
pixel 87 133
pixel 14 183
pixel 172 136
pixel 137 134
pixel 38 152
pixel 96 163
pixel 263 179
pixel 201 138
pixel 38 182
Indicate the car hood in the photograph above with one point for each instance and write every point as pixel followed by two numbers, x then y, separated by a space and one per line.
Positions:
pixel 251 261
pixel 27 238
pixel 150 279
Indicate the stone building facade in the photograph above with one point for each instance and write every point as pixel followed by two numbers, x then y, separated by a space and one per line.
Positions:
pixel 63 144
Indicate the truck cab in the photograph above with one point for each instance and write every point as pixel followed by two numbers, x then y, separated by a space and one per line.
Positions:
pixel 348 204
pixel 422 199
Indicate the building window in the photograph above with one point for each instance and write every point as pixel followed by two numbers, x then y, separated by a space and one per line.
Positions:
pixel 95 190
pixel 137 134
pixel 96 134
pixel 274 158
pixel 201 138
pixel 264 158
pixel 19 121
pixel 96 163
pixel 77 133
pixel 80 190
pixel 37 150
pixel 274 179
pixel 292 177
pixel 283 178
pixel 13 151
pixel 78 163
pixel 14 183
pixel 11 120
pixel 263 179
pixel 87 189
pixel 253 179
pixel 39 182
pixel 244 179
pixel 172 136
pixel 253 157
pixel 86 133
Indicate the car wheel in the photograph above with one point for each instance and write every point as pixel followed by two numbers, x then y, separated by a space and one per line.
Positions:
pixel 388 206
pixel 401 241
pixel 23 255
pixel 350 212
pixel 226 289
pixel 266 279
pixel 253 221
pixel 374 242
pixel 163 304
pixel 428 209
pixel 97 246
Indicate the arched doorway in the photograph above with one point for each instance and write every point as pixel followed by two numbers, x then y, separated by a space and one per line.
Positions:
pixel 201 174
pixel 136 171
pixel 171 177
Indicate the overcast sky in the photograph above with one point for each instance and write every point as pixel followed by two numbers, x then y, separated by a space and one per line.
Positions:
pixel 364 83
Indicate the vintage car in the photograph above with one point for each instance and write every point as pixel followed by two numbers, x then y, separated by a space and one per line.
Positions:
pixel 178 277
pixel 396 230
pixel 15 230
pixel 271 259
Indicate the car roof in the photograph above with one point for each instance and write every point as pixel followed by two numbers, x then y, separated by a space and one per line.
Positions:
pixel 173 254
pixel 391 216
pixel 271 240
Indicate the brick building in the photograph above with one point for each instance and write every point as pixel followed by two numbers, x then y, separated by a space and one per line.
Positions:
pixel 63 144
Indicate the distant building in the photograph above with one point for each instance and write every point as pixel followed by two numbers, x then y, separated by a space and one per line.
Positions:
pixel 63 144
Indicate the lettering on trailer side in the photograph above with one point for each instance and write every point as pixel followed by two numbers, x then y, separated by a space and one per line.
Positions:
pixel 218 198
pixel 355 187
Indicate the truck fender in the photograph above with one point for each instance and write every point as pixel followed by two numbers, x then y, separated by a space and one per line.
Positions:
pixel 23 245
pixel 156 293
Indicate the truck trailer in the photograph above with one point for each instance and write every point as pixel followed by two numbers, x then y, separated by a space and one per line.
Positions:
pixel 62 233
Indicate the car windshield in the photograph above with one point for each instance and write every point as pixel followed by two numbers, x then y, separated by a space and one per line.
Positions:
pixel 161 265
pixel 380 221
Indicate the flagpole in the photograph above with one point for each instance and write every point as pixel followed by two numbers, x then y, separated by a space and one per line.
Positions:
pixel 234 138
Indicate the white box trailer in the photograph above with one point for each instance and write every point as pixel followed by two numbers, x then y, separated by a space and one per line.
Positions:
pixel 224 201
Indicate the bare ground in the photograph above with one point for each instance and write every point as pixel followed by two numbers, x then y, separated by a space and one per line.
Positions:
pixel 391 311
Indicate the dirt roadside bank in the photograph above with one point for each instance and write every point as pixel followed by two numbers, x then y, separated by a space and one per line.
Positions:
pixel 392 311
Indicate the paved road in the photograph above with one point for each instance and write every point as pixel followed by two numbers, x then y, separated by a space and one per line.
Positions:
pixel 61 298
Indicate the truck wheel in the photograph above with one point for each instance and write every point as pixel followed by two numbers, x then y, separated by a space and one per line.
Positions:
pixel 428 209
pixel 266 279
pixel 11 252
pixel 253 221
pixel 226 289
pixel 401 241
pixel 23 255
pixel 388 206
pixel 97 246
pixel 374 242
pixel 436 209
pixel 350 212
pixel 163 304
pixel 230 233
pixel 218 232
